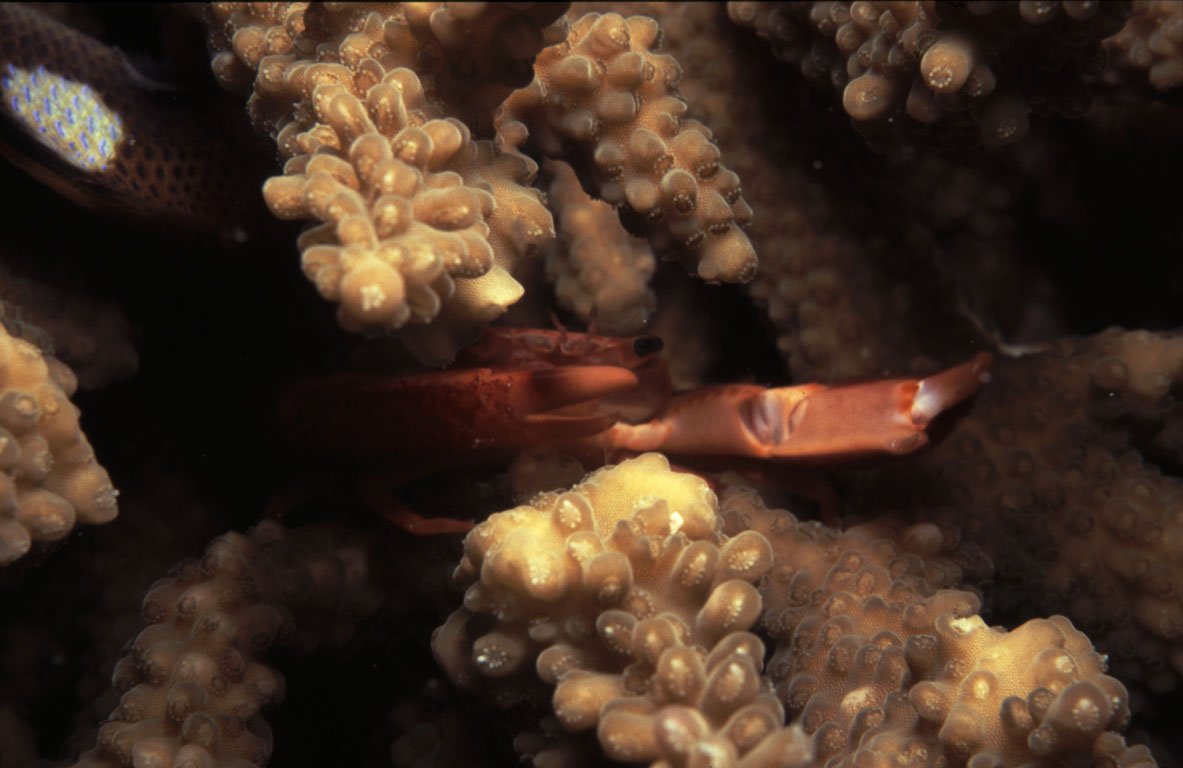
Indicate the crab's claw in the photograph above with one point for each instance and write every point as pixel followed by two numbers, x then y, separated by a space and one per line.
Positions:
pixel 810 421
pixel 943 390
pixel 857 419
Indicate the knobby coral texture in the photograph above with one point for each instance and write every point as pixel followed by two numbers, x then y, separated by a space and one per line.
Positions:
pixel 207 207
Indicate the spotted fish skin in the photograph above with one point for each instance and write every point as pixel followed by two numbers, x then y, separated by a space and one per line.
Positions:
pixel 77 115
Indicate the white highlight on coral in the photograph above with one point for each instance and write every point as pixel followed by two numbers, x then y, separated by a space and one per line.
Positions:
pixel 1086 714
pixel 856 699
pixel 372 297
pixel 966 625
pixel 67 116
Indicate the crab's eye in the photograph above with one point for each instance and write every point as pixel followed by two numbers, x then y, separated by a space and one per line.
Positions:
pixel 644 346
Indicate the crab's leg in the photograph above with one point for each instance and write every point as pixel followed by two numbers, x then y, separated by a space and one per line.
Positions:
pixel 380 497
pixel 811 421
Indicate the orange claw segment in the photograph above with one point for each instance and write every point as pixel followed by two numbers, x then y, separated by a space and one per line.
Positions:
pixel 857 419
pixel 943 390
pixel 550 388
pixel 703 422
pixel 810 421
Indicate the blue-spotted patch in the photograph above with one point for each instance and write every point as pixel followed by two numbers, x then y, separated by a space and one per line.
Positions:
pixel 67 116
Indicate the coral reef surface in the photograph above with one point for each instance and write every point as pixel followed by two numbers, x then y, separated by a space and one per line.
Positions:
pixel 212 209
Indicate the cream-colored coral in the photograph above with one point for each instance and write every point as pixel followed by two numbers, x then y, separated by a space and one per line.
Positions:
pixel 244 33
pixel 599 271
pixel 1139 367
pixel 819 280
pixel 607 91
pixel 398 228
pixel 622 593
pixel 481 51
pixel 907 70
pixel 876 656
pixel 835 323
pixel 471 55
pixel 408 205
pixel 49 479
pixel 91 336
pixel 1152 40
pixel 1042 474
pixel 328 78
pixel 195 682
pixel 703 709
pixel 421 224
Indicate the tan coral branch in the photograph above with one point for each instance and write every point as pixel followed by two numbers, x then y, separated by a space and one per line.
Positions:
pixel 195 682
pixel 421 224
pixel 876 655
pixel 607 91
pixel 49 479
pixel 599 270
pixel 622 594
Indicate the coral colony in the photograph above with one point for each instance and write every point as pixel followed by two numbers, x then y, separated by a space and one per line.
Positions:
pixel 1009 593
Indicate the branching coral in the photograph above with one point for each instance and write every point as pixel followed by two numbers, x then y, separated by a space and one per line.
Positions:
pixel 471 55
pixel 418 219
pixel 1099 522
pixel 1151 41
pixel 623 594
pixel 607 92
pixel 910 68
pixel 877 652
pixel 91 337
pixel 817 279
pixel 195 681
pixel 635 617
pixel 598 269
pixel 50 478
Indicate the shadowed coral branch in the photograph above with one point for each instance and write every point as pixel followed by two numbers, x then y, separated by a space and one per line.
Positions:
pixel 599 270
pixel 910 69
pixel 195 682
pixel 1046 476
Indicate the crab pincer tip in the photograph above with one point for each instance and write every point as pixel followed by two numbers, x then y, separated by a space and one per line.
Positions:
pixel 942 391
